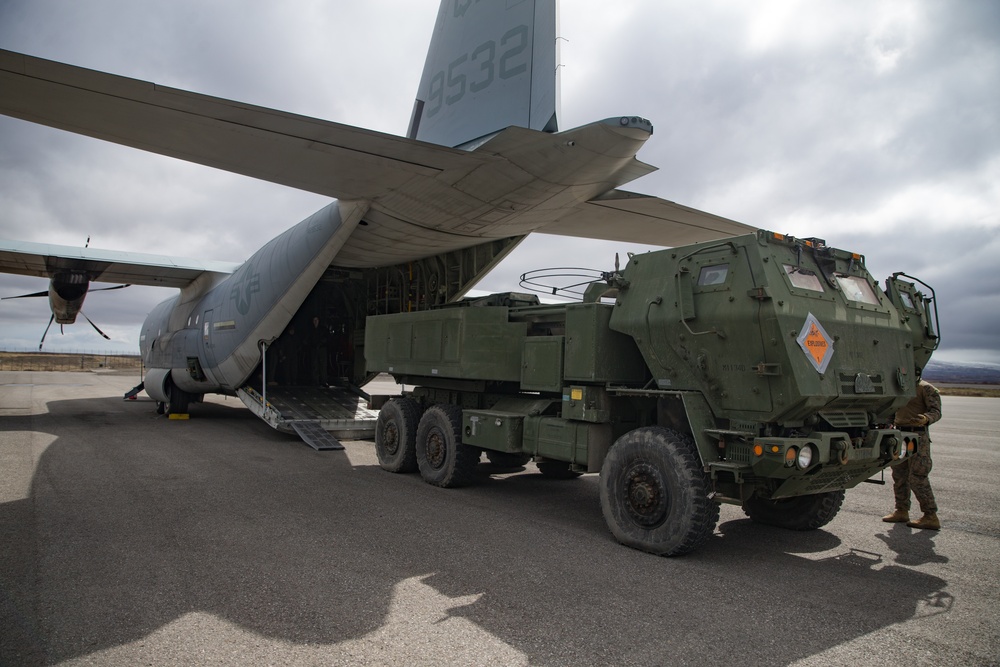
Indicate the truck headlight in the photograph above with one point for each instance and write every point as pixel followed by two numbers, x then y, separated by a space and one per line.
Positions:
pixel 909 446
pixel 805 457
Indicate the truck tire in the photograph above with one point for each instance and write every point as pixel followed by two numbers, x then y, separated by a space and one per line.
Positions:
pixel 507 460
pixel 396 435
pixel 556 469
pixel 654 492
pixel 441 457
pixel 798 513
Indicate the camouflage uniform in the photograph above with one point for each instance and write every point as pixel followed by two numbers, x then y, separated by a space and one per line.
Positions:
pixel 911 474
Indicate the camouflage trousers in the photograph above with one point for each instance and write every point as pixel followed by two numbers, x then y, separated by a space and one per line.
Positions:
pixel 911 475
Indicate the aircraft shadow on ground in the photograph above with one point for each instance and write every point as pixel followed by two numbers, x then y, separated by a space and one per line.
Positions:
pixel 120 538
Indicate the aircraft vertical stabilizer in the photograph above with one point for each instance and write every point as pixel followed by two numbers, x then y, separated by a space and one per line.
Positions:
pixel 490 65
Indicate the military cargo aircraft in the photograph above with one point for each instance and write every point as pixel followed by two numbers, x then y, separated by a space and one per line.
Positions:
pixel 416 220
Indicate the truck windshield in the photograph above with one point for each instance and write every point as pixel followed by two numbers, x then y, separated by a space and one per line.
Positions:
pixel 803 278
pixel 856 288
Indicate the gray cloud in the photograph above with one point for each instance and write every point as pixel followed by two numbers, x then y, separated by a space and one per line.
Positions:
pixel 873 125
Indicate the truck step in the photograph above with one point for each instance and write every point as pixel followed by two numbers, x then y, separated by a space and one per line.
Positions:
pixel 314 435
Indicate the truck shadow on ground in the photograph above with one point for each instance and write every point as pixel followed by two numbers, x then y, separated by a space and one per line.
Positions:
pixel 133 523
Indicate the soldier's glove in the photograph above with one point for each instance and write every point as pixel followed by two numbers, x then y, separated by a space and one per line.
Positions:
pixel 922 420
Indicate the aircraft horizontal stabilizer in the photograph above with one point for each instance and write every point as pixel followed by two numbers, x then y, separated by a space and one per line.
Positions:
pixel 619 215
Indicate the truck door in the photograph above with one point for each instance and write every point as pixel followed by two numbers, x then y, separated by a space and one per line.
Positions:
pixel 918 311
pixel 724 326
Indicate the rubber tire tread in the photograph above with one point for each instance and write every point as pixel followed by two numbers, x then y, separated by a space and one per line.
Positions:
pixel 406 413
pixel 178 403
pixel 459 467
pixel 799 513
pixel 692 515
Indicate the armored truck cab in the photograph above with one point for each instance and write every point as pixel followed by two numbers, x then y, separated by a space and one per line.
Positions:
pixel 762 370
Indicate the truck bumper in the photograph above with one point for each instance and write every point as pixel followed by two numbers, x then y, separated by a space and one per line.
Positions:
pixel 816 463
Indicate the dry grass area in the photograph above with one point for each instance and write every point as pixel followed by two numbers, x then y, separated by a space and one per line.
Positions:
pixel 984 390
pixel 54 361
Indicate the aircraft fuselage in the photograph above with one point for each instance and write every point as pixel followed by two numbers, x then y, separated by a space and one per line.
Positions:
pixel 208 338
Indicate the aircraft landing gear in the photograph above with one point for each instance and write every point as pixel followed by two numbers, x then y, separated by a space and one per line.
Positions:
pixel 177 402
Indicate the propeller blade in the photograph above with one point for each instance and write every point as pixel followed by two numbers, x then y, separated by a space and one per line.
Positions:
pixel 105 289
pixel 25 296
pixel 42 342
pixel 95 326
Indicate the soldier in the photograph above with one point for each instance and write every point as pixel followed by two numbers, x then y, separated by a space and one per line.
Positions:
pixel 923 410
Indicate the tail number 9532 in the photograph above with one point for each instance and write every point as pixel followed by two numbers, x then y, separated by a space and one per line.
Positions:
pixel 476 71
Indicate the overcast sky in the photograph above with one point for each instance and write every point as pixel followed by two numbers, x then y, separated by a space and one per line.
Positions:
pixel 874 125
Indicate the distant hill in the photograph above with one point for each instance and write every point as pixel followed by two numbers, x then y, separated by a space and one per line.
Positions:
pixel 953 373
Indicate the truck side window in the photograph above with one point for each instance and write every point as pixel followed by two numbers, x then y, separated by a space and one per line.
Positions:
pixel 856 288
pixel 803 278
pixel 713 275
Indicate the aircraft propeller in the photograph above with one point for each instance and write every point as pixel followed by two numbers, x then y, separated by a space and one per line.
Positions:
pixel 53 316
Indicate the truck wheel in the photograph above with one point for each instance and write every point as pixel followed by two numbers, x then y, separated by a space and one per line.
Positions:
pixel 798 513
pixel 396 435
pixel 507 459
pixel 556 470
pixel 442 458
pixel 654 492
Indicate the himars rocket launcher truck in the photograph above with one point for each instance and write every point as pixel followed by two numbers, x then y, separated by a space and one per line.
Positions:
pixel 761 370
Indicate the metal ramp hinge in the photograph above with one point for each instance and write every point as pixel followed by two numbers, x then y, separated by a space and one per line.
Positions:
pixel 314 435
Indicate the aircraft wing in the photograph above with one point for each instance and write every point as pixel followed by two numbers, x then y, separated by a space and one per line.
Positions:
pixel 306 153
pixel 109 266
pixel 424 198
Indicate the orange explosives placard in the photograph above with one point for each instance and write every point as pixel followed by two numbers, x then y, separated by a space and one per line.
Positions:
pixel 816 343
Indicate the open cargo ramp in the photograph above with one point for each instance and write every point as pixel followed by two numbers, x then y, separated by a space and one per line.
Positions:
pixel 321 416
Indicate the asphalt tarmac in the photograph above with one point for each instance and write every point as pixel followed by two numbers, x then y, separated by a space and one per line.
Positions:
pixel 127 538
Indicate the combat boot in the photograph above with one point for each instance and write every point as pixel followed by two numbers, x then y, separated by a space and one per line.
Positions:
pixel 898 516
pixel 929 521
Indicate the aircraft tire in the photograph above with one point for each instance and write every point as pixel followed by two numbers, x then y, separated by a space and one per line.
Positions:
pixel 179 401
pixel 654 492
pixel 799 513
pixel 396 435
pixel 441 457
